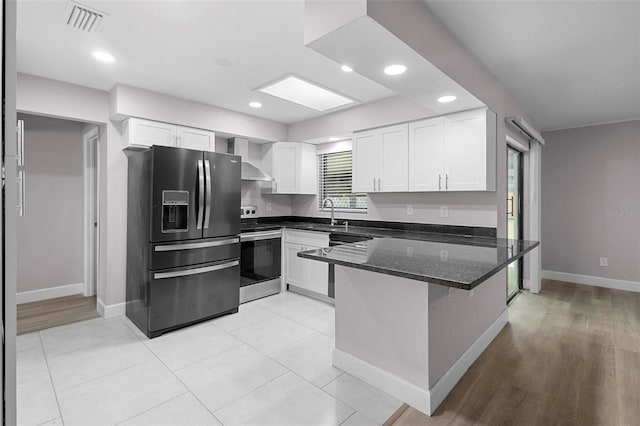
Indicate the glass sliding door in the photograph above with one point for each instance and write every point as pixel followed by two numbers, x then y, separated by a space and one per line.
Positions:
pixel 514 217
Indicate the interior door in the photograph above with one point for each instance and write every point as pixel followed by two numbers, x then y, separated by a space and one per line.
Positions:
pixel 176 173
pixel 222 195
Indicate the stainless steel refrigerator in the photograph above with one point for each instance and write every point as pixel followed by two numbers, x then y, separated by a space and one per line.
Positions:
pixel 183 245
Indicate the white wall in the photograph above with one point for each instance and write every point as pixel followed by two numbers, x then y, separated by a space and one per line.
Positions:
pixel 395 109
pixel 591 201
pixel 50 235
pixel 135 102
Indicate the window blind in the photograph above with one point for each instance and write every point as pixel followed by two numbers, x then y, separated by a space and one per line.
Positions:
pixel 335 182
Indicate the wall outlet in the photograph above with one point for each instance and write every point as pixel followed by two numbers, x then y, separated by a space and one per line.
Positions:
pixel 604 261
pixel 268 207
pixel 444 211
pixel 409 209
pixel 444 255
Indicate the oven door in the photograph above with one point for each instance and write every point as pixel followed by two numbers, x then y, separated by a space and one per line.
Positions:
pixel 260 257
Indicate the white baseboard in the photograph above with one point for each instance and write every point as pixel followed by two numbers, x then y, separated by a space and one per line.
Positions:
pixel 426 401
pixel 49 293
pixel 111 311
pixel 593 281
pixel 413 395
pixel 447 382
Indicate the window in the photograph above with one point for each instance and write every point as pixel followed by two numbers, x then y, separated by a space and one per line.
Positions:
pixel 334 182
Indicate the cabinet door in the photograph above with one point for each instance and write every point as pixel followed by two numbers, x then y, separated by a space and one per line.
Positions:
pixel 394 175
pixel 366 160
pixel 285 168
pixel 308 170
pixel 317 274
pixel 465 151
pixel 146 133
pixel 202 140
pixel 296 267
pixel 426 155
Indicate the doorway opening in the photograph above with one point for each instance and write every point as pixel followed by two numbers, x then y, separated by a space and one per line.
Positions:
pixel 57 234
pixel 515 218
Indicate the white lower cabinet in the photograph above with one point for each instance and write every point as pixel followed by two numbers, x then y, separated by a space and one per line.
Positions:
pixel 306 274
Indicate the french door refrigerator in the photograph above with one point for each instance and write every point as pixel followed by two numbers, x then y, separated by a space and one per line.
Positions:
pixel 183 245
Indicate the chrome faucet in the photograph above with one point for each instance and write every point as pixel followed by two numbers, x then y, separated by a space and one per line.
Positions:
pixel 333 221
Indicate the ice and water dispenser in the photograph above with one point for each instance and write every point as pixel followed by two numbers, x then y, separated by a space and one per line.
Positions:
pixel 175 211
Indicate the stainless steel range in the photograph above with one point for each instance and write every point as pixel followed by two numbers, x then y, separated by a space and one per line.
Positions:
pixel 260 258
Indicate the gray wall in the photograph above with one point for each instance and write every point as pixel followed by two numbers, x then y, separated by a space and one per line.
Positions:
pixel 50 236
pixel 591 201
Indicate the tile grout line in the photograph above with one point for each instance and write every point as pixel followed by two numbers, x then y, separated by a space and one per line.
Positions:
pixel 151 408
pixel 55 392
pixel 185 386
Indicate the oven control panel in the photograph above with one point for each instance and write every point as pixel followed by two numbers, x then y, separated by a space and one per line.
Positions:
pixel 248 212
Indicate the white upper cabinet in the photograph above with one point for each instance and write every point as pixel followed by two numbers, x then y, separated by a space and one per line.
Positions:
pixel 395 159
pixel 470 151
pixel 426 154
pixel 456 152
pixel 366 161
pixel 188 137
pixel 293 165
pixel 380 160
pixel 140 132
pixel 144 133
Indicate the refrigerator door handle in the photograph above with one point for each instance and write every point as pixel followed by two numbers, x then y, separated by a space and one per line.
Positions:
pixel 204 270
pixel 22 194
pixel 191 246
pixel 207 194
pixel 200 194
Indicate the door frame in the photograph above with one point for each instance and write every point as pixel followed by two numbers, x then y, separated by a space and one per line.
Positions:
pixel 521 212
pixel 532 153
pixel 91 229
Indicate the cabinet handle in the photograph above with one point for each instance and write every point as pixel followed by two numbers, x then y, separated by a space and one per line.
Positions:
pixel 439 182
pixel 275 186
pixel 374 184
pixel 446 181
pixel 379 187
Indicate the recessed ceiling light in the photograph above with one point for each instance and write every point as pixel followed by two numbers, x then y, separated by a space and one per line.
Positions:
pixel 103 56
pixel 395 69
pixel 255 104
pixel 333 139
pixel 306 94
pixel 448 98
pixel 346 68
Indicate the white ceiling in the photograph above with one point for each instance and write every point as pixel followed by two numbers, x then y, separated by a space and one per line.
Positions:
pixel 567 63
pixel 174 47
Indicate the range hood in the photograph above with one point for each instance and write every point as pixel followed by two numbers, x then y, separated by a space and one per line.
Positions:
pixel 240 146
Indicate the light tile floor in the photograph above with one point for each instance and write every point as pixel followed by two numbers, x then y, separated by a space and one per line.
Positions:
pixel 269 364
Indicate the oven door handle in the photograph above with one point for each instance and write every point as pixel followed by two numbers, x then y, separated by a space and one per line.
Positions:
pixel 191 246
pixel 196 271
pixel 256 236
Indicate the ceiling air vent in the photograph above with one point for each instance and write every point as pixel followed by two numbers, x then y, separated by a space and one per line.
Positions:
pixel 83 18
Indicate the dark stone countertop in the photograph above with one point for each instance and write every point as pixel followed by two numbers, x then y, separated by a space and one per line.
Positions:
pixel 439 258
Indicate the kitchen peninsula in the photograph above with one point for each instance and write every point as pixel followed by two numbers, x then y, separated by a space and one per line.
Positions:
pixel 413 315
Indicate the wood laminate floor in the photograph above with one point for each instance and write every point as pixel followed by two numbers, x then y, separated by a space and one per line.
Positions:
pixel 45 314
pixel 569 355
